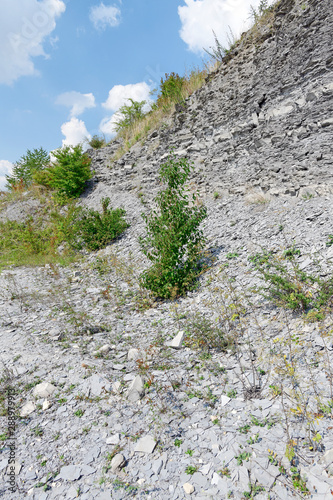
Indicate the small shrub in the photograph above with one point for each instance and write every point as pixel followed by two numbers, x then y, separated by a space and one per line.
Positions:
pixel 24 169
pixel 171 91
pixel 130 114
pixel 174 241
pixel 288 285
pixel 96 142
pixel 96 230
pixel 68 175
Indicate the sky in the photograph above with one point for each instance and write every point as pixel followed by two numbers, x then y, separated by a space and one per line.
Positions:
pixel 67 66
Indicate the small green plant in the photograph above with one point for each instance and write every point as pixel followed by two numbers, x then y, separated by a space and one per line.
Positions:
pixel 245 429
pixel 288 285
pixel 38 431
pixel 191 469
pixel 275 390
pixel 231 255
pixel 95 230
pixel 216 195
pixel 225 472
pixel 24 169
pixel 174 241
pixel 97 142
pixel 253 439
pixel 232 393
pixel 329 243
pixel 79 413
pixel 203 334
pixel 298 482
pixel 68 175
pixel 243 457
pixel 189 452
pixel 254 489
pixel 256 14
pixel 178 442
pixel 129 114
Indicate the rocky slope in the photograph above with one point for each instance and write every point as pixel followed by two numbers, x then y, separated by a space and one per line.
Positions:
pixel 122 397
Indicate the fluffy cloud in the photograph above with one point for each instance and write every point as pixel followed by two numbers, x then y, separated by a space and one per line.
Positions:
pixel 103 16
pixel 200 18
pixel 75 132
pixel 76 101
pixel 5 169
pixel 120 95
pixel 24 26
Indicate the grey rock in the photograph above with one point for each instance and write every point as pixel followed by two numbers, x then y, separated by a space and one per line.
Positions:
pixel 145 444
pixel 136 389
pixel 70 473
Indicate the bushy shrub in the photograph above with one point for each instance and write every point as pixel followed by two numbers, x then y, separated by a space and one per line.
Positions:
pixel 95 230
pixel 68 174
pixel 97 142
pixel 171 90
pixel 24 169
pixel 174 241
pixel 130 114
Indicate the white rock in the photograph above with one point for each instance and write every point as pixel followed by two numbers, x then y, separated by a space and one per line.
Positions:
pixel 113 439
pixel 140 481
pixel 46 404
pixel 105 348
pixel 117 462
pixel 133 354
pixel 188 488
pixel 224 400
pixel 44 390
pixel 27 409
pixel 177 341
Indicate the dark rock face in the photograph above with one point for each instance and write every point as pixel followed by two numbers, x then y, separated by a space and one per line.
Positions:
pixel 264 120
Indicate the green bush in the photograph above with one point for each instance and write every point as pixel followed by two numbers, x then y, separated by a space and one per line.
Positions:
pixel 174 241
pixel 130 114
pixel 96 230
pixel 68 175
pixel 97 142
pixel 171 90
pixel 24 169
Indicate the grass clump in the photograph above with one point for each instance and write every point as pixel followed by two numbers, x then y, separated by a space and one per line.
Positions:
pixel 174 241
pixel 68 175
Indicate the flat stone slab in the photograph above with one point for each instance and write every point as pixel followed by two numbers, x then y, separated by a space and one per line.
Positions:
pixel 70 473
pixel 146 444
pixel 27 409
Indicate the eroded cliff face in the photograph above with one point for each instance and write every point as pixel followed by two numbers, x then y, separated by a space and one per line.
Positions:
pixel 264 120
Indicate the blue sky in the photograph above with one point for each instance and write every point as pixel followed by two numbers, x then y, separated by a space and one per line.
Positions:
pixel 66 66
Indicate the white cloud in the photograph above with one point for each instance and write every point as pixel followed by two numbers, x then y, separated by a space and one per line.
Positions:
pixel 200 18
pixel 76 101
pixel 75 132
pixel 6 168
pixel 103 16
pixel 24 26
pixel 120 95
